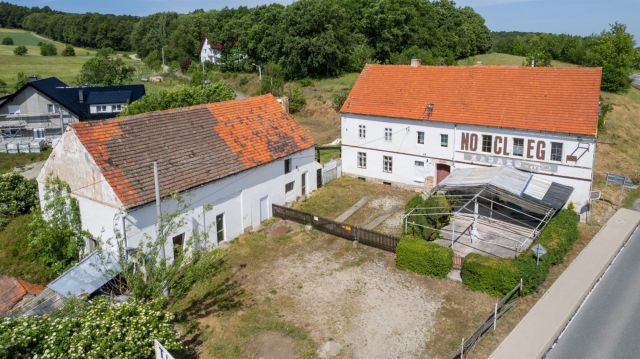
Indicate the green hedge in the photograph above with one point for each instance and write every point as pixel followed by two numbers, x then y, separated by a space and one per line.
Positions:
pixel 420 256
pixel 499 275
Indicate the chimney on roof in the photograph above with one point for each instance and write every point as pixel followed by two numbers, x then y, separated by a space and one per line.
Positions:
pixel 81 96
pixel 416 62
pixel 32 78
pixel 284 102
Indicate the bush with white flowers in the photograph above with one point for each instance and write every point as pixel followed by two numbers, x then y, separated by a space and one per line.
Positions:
pixel 97 329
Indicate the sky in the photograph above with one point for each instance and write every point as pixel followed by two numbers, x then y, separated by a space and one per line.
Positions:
pixel 579 17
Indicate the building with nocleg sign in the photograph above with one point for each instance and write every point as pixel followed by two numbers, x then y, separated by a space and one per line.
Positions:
pixel 413 125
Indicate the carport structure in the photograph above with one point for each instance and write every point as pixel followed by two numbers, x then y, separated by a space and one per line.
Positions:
pixel 497 211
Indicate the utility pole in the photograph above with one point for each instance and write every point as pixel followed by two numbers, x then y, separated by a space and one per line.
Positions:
pixel 159 228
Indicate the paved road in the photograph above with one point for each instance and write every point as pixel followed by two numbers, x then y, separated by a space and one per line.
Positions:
pixel 608 323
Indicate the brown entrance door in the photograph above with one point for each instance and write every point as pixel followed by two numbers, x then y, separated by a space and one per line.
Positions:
pixel 442 171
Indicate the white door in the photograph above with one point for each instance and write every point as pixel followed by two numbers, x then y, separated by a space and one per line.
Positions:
pixel 419 171
pixel 264 208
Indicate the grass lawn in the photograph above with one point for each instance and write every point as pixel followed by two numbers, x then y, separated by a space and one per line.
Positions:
pixel 16 259
pixel 10 161
pixel 307 293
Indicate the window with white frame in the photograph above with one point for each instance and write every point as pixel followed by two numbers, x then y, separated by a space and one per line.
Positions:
pixel 444 140
pixel 52 108
pixel 556 151
pixel 518 147
pixel 287 165
pixel 101 108
pixel 388 134
pixel 289 187
pixel 362 160
pixel 486 143
pixel 362 131
pixel 387 164
pixel 420 137
pixel 116 108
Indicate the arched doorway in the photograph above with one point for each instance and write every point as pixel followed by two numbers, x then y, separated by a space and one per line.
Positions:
pixel 442 171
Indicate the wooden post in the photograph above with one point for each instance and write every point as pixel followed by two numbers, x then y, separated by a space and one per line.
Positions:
pixel 462 348
pixel 520 287
pixel 495 316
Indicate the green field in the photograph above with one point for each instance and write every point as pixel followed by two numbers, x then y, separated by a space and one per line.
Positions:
pixel 499 59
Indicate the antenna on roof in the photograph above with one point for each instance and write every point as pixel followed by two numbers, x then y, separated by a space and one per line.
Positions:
pixel 428 111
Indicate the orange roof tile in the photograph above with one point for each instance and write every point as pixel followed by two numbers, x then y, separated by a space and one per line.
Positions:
pixel 549 99
pixel 193 145
pixel 12 290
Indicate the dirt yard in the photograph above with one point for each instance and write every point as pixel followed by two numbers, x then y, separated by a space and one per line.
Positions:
pixel 313 295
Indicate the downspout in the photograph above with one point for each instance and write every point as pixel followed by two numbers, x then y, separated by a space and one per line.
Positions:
pixel 124 237
pixel 453 153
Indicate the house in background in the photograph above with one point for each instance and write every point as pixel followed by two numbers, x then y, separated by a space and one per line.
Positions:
pixel 41 109
pixel 413 125
pixel 210 52
pixel 230 161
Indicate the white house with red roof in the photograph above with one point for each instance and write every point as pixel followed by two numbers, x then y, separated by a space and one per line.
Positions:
pixel 413 125
pixel 229 161
pixel 210 52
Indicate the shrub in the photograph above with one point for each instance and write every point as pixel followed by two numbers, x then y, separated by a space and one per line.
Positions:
pixel 500 275
pixel 48 49
pixel 20 50
pixel 7 41
pixel 97 329
pixel 17 196
pixel 420 256
pixel 339 98
pixel 69 51
pixel 425 216
pixel 185 63
pixel 296 99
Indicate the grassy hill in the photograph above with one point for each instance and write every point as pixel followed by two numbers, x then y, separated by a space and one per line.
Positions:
pixel 499 59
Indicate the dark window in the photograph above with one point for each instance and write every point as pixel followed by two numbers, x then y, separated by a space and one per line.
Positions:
pixel 387 164
pixel 289 187
pixel 362 160
pixel 362 131
pixel 486 143
pixel 421 137
pixel 556 151
pixel 287 165
pixel 387 134
pixel 444 140
pixel 220 227
pixel 518 147
pixel 178 243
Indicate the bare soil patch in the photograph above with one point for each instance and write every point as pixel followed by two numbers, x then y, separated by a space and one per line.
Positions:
pixel 272 345
pixel 333 299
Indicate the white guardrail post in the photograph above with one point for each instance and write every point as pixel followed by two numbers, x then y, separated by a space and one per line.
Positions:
pixel 161 352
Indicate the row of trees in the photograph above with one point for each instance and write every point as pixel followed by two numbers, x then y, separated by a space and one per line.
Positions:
pixel 306 38
pixel 613 50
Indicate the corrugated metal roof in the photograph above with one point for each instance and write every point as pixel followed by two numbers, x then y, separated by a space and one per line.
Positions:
pixel 522 184
pixel 86 277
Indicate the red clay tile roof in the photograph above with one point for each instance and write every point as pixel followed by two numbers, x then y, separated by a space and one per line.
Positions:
pixel 548 99
pixel 12 290
pixel 193 145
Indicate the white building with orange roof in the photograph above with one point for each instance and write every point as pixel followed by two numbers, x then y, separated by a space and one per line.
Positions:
pixel 413 125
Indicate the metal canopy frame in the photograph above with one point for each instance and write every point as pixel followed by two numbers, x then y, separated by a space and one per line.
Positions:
pixel 487 205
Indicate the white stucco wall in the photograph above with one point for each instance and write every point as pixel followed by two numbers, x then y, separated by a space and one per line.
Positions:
pixel 405 151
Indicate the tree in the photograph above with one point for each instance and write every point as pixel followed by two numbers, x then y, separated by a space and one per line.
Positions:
pixel 180 97
pixel 613 50
pixel 7 41
pixel 20 50
pixel 55 231
pixel 21 80
pixel 17 196
pixel 272 80
pixel 69 51
pixel 48 49
pixel 106 71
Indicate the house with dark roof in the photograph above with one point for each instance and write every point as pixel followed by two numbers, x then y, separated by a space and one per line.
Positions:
pixel 41 109
pixel 413 125
pixel 229 161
